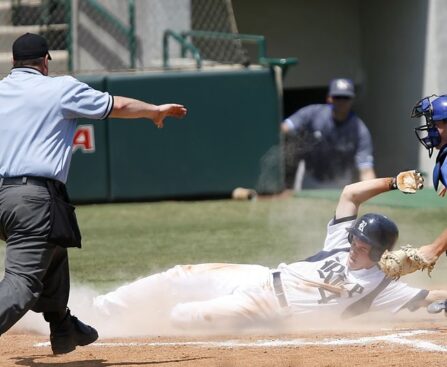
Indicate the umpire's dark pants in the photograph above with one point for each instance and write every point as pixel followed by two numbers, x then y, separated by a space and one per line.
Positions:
pixel 36 272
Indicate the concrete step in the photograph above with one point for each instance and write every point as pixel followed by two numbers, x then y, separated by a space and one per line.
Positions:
pixel 8 34
pixel 5 13
pixel 58 64
pixel 29 10
pixel 54 33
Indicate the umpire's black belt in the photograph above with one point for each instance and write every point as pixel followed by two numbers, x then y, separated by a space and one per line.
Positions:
pixel 278 288
pixel 23 180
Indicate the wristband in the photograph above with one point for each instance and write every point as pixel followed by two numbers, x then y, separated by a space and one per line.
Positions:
pixel 393 184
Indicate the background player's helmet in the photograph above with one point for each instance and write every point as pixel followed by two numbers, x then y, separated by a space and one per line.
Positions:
pixel 377 231
pixel 433 108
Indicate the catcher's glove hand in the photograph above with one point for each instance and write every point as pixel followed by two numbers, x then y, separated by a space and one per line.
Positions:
pixel 408 182
pixel 404 261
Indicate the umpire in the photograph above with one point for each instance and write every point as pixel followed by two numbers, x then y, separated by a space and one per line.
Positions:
pixel 37 123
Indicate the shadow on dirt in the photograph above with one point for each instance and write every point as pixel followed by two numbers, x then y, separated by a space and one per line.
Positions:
pixel 32 361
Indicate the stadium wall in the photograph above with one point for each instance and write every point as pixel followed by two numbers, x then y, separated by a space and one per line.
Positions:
pixel 393 60
pixel 229 139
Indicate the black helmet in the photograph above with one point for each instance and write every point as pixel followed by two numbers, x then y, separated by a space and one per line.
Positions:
pixel 377 231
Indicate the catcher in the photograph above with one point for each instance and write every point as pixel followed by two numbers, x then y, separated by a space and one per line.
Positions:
pixel 343 280
pixel 433 135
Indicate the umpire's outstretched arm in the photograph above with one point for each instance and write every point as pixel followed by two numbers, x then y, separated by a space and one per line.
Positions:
pixel 129 108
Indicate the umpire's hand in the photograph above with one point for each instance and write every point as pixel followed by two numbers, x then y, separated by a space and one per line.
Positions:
pixel 169 110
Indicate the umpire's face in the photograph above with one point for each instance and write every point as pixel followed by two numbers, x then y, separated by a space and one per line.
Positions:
pixel 359 255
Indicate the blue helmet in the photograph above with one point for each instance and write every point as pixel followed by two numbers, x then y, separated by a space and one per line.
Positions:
pixel 376 230
pixel 433 108
pixel 439 107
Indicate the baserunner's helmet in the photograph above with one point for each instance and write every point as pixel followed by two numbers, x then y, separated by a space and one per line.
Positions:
pixel 433 108
pixel 377 231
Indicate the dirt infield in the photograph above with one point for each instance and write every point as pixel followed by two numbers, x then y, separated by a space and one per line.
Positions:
pixel 403 343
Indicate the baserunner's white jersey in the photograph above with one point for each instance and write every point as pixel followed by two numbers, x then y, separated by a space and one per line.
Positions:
pixel 221 295
pixel 324 282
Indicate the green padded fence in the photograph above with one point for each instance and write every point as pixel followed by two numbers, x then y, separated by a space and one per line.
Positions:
pixel 230 138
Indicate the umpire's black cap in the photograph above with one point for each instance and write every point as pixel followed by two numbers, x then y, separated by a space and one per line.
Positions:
pixel 30 46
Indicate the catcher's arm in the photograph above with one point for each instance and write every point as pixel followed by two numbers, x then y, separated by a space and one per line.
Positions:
pixel 408 260
pixel 432 251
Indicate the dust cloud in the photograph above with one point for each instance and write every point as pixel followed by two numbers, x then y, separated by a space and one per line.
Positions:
pixel 152 318
pixel 148 318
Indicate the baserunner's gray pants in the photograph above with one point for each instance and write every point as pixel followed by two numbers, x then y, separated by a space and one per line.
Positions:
pixel 36 272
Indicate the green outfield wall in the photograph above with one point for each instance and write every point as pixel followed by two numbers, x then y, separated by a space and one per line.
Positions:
pixel 230 138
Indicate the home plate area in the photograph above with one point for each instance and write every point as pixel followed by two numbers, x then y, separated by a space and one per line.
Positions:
pixel 418 346
pixel 400 338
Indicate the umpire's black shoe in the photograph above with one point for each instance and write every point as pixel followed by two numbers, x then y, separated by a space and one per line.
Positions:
pixel 66 335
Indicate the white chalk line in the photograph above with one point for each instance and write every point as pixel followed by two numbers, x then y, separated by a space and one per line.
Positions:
pixel 397 338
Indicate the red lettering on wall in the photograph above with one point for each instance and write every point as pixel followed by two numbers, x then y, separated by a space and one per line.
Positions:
pixel 84 139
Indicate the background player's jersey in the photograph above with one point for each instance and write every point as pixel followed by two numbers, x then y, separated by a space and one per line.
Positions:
pixel 332 150
pixel 364 290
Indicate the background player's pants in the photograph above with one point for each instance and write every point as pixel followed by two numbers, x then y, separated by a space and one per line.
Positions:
pixel 36 272
pixel 201 295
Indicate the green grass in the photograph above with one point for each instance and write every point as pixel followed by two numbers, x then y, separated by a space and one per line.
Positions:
pixel 423 199
pixel 124 241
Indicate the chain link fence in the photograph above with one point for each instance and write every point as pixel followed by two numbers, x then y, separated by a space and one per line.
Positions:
pixel 46 17
pixel 107 35
pixel 217 16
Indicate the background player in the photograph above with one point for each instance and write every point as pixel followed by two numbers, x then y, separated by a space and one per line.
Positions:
pixel 433 135
pixel 331 139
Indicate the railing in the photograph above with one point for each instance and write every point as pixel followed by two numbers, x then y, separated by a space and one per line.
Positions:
pixel 56 16
pixel 259 40
pixel 127 31
pixel 182 39
pixel 185 45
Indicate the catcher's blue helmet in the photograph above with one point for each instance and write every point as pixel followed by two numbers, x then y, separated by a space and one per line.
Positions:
pixel 376 230
pixel 433 108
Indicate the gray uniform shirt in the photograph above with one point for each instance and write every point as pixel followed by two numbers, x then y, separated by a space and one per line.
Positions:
pixel 332 151
pixel 38 120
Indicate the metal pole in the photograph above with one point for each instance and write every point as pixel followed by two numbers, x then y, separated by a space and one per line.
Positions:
pixel 132 42
pixel 165 49
pixel 69 36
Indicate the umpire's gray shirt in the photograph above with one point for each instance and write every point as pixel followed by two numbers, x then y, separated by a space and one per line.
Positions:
pixel 37 121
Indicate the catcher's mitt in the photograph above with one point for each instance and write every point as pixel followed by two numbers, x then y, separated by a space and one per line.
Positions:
pixel 404 261
pixel 408 182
